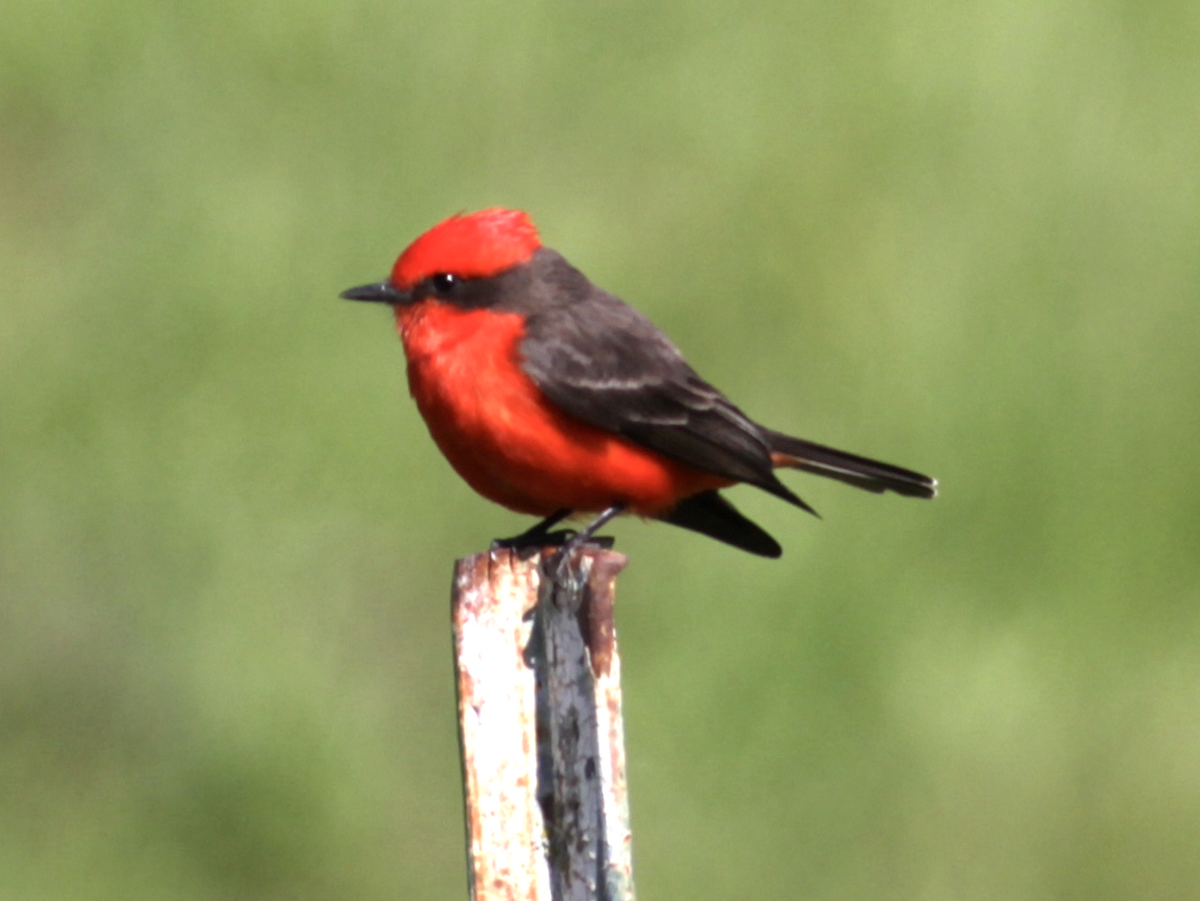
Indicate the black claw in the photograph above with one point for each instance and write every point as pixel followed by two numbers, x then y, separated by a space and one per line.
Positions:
pixel 559 565
pixel 530 542
pixel 527 545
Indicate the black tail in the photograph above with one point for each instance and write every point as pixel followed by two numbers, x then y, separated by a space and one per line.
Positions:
pixel 860 472
pixel 712 515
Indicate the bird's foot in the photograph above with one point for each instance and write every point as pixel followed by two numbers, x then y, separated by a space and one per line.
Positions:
pixel 558 567
pixel 532 541
pixel 527 544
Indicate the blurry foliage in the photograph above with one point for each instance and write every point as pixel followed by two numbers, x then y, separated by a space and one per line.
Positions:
pixel 962 237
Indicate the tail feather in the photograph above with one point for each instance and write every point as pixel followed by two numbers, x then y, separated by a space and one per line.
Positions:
pixel 710 514
pixel 870 475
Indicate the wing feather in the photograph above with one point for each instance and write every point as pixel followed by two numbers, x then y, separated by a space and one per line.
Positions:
pixel 605 363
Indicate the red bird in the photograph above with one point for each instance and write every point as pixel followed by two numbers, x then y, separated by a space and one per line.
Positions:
pixel 553 397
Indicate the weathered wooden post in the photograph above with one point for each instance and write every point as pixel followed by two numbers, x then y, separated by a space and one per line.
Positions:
pixel 543 749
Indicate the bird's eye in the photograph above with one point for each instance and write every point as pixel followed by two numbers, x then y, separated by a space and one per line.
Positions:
pixel 443 282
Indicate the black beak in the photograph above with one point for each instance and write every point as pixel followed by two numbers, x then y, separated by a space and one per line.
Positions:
pixel 380 292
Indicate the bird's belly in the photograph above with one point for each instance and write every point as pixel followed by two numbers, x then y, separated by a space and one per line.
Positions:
pixel 509 442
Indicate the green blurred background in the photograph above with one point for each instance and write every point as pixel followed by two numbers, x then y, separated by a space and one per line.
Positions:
pixel 964 237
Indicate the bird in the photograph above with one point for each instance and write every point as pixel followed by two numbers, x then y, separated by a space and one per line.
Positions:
pixel 554 398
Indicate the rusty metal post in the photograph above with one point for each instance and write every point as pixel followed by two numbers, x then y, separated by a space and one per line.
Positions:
pixel 541 731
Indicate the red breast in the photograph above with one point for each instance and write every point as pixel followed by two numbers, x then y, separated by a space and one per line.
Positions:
pixel 503 436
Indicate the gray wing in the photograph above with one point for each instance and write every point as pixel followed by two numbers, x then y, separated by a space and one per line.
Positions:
pixel 603 362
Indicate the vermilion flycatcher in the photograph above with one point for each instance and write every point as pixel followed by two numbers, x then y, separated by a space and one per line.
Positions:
pixel 553 397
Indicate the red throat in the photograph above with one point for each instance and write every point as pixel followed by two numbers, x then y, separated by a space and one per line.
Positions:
pixel 469 245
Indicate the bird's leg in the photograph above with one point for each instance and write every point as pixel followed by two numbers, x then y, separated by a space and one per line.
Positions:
pixel 561 560
pixel 534 539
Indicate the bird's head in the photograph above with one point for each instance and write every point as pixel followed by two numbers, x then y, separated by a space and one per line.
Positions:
pixel 463 247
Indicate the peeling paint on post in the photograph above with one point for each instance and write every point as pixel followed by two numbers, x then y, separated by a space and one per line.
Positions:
pixel 497 712
pixel 541 731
